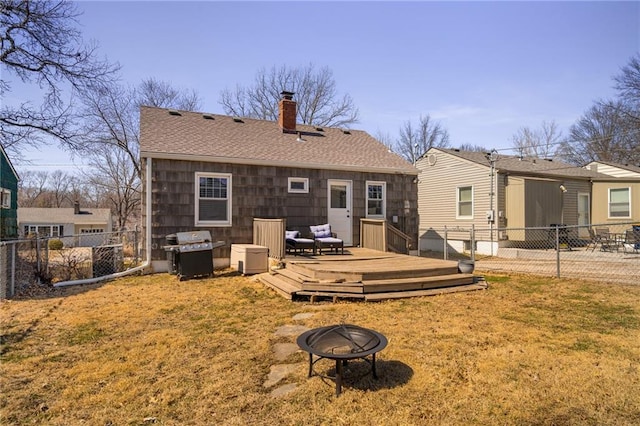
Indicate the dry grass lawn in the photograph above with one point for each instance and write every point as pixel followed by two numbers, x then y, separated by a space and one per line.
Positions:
pixel 151 349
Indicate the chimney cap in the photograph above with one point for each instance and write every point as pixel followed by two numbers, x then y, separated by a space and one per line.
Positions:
pixel 287 95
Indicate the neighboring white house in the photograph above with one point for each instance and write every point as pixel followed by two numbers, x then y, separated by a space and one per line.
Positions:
pixel 614 169
pixel 65 222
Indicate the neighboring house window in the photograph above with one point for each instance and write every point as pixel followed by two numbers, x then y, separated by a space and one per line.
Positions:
pixel 300 185
pixel 376 199
pixel 91 230
pixel 465 202
pixel 43 230
pixel 213 199
pixel 619 202
pixel 5 198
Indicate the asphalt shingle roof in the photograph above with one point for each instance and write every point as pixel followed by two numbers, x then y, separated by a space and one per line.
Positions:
pixel 212 137
pixel 527 165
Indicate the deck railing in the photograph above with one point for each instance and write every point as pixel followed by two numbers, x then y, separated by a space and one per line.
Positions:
pixel 398 241
pixel 270 233
pixel 378 234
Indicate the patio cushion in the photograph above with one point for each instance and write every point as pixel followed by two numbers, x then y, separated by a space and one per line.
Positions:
pixel 321 231
pixel 329 240
pixel 291 234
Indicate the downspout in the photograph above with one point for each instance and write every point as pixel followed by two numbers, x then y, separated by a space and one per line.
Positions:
pixel 137 269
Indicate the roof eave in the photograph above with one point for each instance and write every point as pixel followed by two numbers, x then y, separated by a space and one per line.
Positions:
pixel 278 163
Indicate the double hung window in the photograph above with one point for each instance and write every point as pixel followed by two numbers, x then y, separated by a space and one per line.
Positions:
pixel 213 199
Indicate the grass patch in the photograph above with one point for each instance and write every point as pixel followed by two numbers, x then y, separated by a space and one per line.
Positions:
pixel 528 351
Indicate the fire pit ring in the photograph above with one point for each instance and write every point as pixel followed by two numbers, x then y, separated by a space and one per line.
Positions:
pixel 342 342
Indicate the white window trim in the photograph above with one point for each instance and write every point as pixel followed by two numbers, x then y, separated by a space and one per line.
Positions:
pixel 6 198
pixel 458 188
pixel 305 182
pixel 384 199
pixel 199 222
pixel 628 188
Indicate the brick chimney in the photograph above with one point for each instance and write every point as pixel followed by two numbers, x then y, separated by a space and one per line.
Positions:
pixel 76 207
pixel 287 115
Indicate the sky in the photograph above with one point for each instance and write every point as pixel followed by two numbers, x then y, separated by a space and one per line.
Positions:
pixel 482 69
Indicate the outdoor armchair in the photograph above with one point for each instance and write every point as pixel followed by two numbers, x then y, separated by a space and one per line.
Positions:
pixel 294 242
pixel 324 238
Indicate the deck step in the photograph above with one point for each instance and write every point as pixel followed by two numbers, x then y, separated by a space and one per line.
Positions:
pixel 376 297
pixel 341 287
pixel 281 286
pixel 416 283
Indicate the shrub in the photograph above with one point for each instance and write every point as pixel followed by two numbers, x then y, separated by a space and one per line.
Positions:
pixel 55 244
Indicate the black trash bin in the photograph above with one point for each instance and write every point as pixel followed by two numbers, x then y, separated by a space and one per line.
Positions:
pixel 563 234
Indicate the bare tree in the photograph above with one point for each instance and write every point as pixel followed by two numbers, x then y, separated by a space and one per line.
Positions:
pixel 315 93
pixel 41 46
pixel 541 143
pixel 601 134
pixel 59 187
pixel 113 175
pixel 415 141
pixel 31 189
pixel 473 148
pixel 112 114
pixel 628 86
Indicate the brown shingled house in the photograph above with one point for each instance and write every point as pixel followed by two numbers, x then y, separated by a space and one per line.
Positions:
pixel 217 173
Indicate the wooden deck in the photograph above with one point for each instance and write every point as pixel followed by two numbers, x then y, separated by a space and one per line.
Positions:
pixel 367 274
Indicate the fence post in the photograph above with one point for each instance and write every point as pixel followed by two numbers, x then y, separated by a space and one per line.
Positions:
pixel 446 252
pixel 135 244
pixel 557 251
pixel 472 238
pixel 13 268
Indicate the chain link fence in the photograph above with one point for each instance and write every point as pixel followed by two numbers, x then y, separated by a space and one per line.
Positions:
pixel 34 264
pixel 601 252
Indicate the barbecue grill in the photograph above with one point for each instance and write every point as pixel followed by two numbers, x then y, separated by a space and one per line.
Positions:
pixel 341 343
pixel 192 254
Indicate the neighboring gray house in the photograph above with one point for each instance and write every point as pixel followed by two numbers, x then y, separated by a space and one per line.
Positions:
pixel 217 173
pixel 462 188
pixel 65 222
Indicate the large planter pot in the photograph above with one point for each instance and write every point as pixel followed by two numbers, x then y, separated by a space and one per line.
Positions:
pixel 466 266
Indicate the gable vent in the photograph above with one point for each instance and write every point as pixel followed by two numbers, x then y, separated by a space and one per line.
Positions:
pixel 174 112
pixel 238 120
pixel 207 116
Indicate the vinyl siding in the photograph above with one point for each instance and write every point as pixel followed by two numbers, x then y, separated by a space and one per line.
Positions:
pixel 600 202
pixel 437 191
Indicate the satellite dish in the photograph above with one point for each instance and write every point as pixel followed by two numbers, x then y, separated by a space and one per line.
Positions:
pixel 431 159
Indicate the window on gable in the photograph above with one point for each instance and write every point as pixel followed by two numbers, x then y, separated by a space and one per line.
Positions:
pixel 619 202
pixel 465 202
pixel 299 185
pixel 213 199
pixel 376 199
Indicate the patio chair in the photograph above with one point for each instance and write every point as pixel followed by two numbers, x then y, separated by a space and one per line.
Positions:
pixel 594 240
pixel 324 238
pixel 631 241
pixel 293 242
pixel 607 241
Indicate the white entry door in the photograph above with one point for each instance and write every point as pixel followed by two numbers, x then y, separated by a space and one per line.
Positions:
pixel 339 209
pixel 584 218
